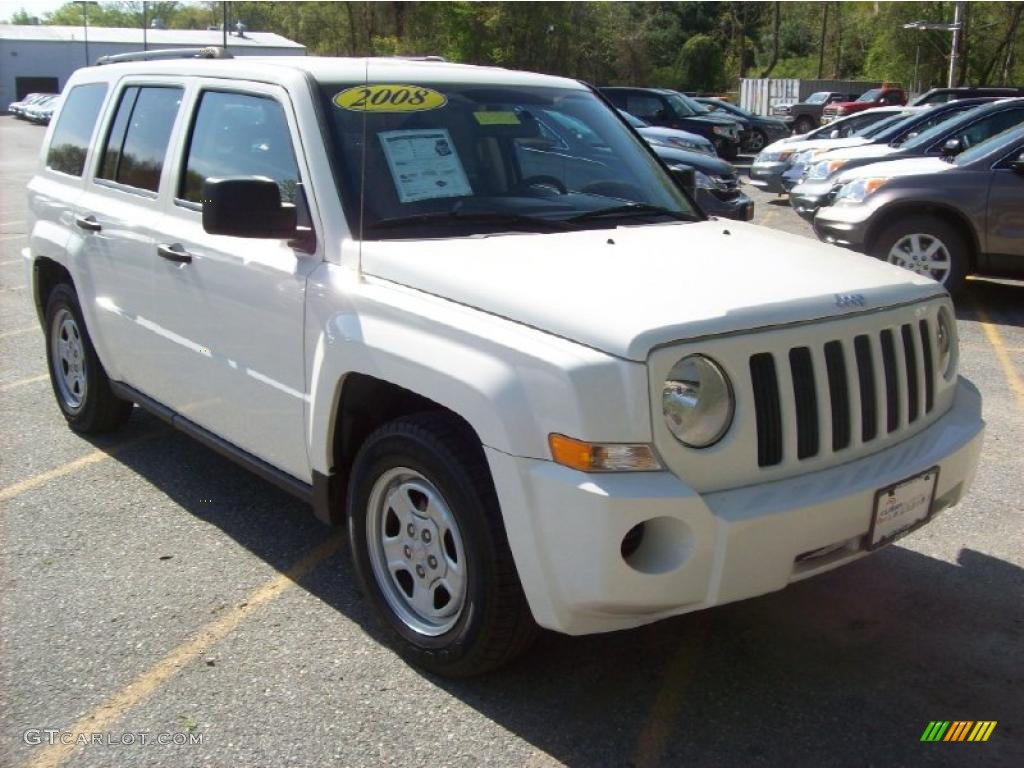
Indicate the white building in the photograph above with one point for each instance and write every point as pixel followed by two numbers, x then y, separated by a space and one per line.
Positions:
pixel 39 58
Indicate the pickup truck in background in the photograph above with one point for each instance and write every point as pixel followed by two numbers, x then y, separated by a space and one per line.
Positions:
pixel 806 115
pixel 883 96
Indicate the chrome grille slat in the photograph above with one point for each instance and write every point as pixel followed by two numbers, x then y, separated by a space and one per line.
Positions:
pixel 823 398
pixel 928 367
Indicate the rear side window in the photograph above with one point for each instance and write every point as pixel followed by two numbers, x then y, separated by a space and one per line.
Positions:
pixel 237 134
pixel 137 142
pixel 71 135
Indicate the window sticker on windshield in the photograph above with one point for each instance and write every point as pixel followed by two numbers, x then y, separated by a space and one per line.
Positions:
pixel 492 117
pixel 389 98
pixel 424 164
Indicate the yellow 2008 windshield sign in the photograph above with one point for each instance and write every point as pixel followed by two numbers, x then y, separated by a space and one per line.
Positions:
pixel 389 98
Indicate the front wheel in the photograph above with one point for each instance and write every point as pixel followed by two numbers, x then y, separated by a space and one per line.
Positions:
pixel 430 550
pixel 79 381
pixel 803 125
pixel 927 246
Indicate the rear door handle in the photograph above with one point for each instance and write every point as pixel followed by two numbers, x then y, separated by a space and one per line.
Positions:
pixel 175 253
pixel 88 223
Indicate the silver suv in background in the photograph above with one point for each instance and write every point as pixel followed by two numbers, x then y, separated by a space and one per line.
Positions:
pixel 941 217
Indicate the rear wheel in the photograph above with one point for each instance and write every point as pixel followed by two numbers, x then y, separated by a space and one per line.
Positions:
pixel 927 246
pixel 79 381
pixel 430 550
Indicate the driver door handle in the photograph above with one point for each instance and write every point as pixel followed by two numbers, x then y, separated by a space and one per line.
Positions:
pixel 88 223
pixel 175 252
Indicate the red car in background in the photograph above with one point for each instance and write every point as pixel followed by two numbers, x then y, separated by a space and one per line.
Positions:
pixel 884 96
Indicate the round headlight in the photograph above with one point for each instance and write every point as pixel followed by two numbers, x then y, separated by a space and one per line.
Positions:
pixel 697 401
pixel 944 342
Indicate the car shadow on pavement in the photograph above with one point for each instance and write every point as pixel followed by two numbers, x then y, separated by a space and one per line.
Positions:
pixel 999 301
pixel 846 668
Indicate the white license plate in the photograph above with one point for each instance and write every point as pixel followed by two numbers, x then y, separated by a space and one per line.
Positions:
pixel 902 506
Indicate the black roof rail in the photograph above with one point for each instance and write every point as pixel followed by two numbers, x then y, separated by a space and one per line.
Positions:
pixel 209 52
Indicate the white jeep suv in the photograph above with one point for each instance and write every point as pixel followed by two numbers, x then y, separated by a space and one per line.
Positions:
pixel 539 386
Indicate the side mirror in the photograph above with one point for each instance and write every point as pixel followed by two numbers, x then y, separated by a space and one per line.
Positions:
pixel 1017 166
pixel 834 133
pixel 952 147
pixel 684 178
pixel 247 207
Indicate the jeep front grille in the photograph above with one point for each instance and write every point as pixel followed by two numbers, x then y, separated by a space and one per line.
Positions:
pixel 875 383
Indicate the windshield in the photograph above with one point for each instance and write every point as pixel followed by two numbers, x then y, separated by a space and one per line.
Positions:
pixel 683 106
pixel 444 160
pixel 818 98
pixel 937 125
pixel 887 127
pixel 998 143
pixel 871 95
pixel 633 120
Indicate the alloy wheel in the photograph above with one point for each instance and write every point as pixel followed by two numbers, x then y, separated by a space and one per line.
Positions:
pixel 416 551
pixel 68 360
pixel 922 254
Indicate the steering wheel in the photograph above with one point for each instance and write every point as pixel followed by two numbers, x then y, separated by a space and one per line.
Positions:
pixel 541 180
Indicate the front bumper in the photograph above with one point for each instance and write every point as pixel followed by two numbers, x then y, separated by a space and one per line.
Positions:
pixel 768 176
pixel 566 528
pixel 845 225
pixel 732 204
pixel 807 197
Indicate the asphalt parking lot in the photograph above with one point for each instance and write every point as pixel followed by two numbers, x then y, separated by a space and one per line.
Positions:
pixel 149 587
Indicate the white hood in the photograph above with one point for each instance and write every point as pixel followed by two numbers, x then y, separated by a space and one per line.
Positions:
pixel 856 153
pixel 908 166
pixel 800 145
pixel 627 290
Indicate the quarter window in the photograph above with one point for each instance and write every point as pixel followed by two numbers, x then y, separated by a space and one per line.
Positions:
pixel 238 134
pixel 71 136
pixel 137 142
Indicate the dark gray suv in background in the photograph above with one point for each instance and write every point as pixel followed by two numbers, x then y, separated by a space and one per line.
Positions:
pixel 944 217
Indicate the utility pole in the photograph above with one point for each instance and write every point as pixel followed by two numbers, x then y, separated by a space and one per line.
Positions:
pixel 957 15
pixel 145 39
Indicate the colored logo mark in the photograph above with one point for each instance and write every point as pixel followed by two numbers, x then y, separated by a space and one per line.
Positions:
pixel 958 730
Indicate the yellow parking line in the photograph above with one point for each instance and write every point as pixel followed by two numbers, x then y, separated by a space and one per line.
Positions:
pixel 1013 378
pixel 114 708
pixel 15 236
pixel 24 382
pixel 66 469
pixel 659 727
pixel 18 332
pixel 10 262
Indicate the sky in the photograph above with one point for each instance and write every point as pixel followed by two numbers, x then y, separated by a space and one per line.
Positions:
pixel 35 7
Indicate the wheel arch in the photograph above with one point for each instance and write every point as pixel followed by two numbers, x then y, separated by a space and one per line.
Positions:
pixel 946 213
pixel 47 274
pixel 361 403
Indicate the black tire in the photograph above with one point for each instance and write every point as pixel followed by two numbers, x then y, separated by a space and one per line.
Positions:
pixel 494 624
pixel 953 241
pixel 803 125
pixel 98 410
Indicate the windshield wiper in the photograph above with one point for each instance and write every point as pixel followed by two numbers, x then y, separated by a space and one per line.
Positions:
pixel 454 217
pixel 630 210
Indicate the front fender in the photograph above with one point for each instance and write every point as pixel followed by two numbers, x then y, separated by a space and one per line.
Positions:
pixel 514 384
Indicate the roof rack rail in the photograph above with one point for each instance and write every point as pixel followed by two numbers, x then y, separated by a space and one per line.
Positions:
pixel 210 52
pixel 426 57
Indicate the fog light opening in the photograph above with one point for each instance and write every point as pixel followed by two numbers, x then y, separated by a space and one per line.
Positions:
pixel 632 540
pixel 658 545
